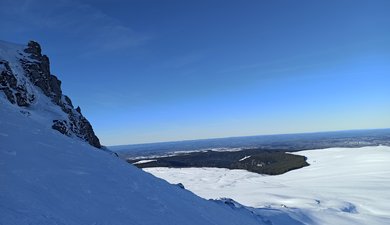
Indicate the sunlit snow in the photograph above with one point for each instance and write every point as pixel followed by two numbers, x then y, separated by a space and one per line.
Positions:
pixel 48 178
pixel 341 186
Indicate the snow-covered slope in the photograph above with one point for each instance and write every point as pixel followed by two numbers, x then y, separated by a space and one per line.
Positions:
pixel 49 178
pixel 341 186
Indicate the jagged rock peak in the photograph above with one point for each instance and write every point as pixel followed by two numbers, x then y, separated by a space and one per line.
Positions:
pixel 34 48
pixel 24 73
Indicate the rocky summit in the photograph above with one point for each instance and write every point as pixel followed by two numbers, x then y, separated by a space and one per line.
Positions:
pixel 25 74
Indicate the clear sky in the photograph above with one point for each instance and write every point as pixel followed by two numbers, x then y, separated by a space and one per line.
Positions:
pixel 148 71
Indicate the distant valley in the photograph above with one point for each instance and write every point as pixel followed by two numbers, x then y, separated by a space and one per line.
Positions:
pixel 282 142
pixel 253 160
pixel 266 154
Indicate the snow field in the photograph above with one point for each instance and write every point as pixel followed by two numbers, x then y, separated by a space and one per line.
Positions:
pixel 341 186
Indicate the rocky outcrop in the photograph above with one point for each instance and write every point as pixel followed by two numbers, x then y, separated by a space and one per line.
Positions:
pixel 36 68
pixel 38 71
pixel 15 93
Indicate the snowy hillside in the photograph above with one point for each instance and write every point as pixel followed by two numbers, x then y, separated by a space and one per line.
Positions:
pixel 52 173
pixel 341 186
pixel 50 178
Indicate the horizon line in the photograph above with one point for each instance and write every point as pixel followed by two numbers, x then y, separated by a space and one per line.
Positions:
pixel 256 135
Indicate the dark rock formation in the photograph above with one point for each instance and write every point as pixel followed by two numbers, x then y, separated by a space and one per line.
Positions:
pixel 37 70
pixel 180 185
pixel 61 126
pixel 15 93
pixel 229 202
pixel 104 148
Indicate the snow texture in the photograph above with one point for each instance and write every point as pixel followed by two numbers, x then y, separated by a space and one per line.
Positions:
pixel 47 178
pixel 341 186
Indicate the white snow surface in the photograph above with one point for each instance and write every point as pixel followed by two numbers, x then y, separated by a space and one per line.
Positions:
pixel 341 186
pixel 145 161
pixel 47 178
pixel 246 157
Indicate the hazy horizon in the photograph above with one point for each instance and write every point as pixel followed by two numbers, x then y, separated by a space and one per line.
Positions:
pixel 255 135
pixel 154 71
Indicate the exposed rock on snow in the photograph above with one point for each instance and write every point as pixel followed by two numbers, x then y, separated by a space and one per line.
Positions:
pixel 25 73
pixel 48 178
pixel 14 92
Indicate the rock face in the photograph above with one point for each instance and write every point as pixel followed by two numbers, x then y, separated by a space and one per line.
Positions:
pixel 14 92
pixel 35 68
pixel 39 72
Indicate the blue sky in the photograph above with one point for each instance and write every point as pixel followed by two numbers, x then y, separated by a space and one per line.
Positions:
pixel 149 71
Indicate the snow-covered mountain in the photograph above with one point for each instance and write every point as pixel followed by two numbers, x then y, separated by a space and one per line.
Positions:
pixel 47 177
pixel 26 81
